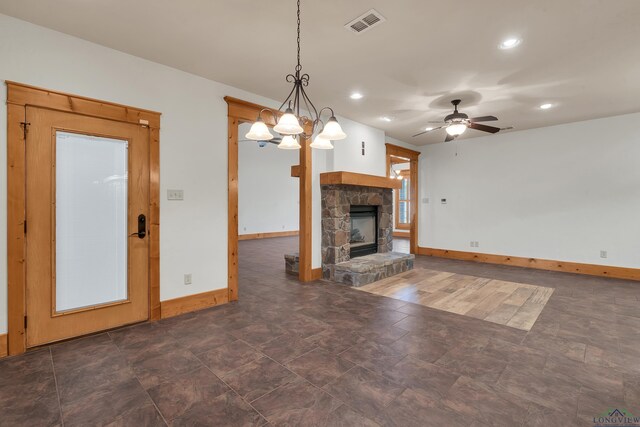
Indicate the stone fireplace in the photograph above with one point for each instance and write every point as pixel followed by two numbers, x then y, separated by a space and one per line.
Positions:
pixel 357 221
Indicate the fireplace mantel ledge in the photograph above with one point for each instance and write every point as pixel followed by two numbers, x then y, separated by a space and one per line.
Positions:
pixel 359 179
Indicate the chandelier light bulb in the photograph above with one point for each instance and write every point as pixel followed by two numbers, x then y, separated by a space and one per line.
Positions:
pixel 321 143
pixel 456 129
pixel 259 131
pixel 332 130
pixel 288 124
pixel 289 143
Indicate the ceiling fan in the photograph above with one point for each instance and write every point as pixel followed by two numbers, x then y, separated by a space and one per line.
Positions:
pixel 456 123
pixel 264 142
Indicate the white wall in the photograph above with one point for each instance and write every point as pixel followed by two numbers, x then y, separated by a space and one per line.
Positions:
pixel 193 142
pixel 268 197
pixel 563 192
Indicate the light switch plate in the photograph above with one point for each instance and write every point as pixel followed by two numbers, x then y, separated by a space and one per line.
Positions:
pixel 175 194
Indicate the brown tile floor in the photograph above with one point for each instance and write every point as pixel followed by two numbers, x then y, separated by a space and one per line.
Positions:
pixel 324 354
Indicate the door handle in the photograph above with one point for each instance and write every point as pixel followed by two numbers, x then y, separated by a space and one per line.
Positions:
pixel 142 227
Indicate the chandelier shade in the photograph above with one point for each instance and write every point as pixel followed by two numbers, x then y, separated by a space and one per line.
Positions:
pixel 288 143
pixel 332 130
pixel 259 131
pixel 321 143
pixel 288 124
pixel 297 100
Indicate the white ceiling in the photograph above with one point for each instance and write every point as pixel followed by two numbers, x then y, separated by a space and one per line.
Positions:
pixel 581 55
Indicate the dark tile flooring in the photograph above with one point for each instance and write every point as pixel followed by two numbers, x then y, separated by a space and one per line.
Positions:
pixel 323 354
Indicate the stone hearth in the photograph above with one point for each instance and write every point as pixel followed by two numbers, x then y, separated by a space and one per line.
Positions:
pixel 371 268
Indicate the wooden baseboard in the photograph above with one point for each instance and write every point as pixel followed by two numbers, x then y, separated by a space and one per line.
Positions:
pixel 316 274
pixel 4 350
pixel 405 234
pixel 177 306
pixel 267 235
pixel 540 264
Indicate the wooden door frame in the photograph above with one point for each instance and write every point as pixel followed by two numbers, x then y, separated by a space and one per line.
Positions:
pixel 396 198
pixel 412 155
pixel 20 96
pixel 239 112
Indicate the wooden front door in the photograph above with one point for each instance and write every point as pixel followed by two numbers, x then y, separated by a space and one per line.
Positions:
pixel 87 203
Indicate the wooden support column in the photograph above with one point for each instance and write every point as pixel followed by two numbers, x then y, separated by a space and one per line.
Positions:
pixel 306 248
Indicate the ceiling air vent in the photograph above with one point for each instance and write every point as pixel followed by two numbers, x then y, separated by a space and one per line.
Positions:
pixel 365 22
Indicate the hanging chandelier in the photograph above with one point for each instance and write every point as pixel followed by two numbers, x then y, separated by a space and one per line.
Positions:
pixel 289 123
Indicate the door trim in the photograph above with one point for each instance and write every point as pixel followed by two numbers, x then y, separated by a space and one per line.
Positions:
pixel 19 96
pixel 238 112
pixel 412 156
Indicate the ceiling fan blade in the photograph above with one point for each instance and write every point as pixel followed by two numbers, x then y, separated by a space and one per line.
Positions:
pixel 483 119
pixel 427 131
pixel 484 128
pixel 435 121
pixel 449 138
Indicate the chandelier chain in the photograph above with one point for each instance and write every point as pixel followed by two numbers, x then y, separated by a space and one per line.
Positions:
pixel 298 67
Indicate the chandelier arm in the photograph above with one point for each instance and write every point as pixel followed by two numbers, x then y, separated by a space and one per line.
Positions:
pixel 326 108
pixel 287 99
pixel 275 118
pixel 314 112
pixel 296 99
pixel 306 100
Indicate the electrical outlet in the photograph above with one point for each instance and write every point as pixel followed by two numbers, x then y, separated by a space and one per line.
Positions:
pixel 472 244
pixel 477 244
pixel 187 279
pixel 175 194
pixel 603 254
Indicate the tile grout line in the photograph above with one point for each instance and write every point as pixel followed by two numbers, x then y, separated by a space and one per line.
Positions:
pixel 234 391
pixel 138 379
pixel 307 381
pixel 55 380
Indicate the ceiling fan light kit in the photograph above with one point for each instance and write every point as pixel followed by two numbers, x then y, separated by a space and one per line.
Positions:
pixel 289 123
pixel 456 129
pixel 457 123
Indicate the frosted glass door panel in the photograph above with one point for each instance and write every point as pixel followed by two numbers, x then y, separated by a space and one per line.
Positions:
pixel 91 221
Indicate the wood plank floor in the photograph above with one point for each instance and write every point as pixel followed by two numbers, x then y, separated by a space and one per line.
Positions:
pixel 507 303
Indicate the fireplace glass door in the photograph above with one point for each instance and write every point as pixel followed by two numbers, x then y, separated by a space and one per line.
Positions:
pixel 364 230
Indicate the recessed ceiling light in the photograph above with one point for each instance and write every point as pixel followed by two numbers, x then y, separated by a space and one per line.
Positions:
pixel 546 106
pixel 356 95
pixel 510 43
pixel 428 129
pixel 386 118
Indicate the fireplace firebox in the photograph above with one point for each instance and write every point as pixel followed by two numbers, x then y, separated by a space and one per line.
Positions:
pixel 364 230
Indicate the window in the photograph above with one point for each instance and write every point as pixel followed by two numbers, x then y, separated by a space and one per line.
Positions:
pixel 403 205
